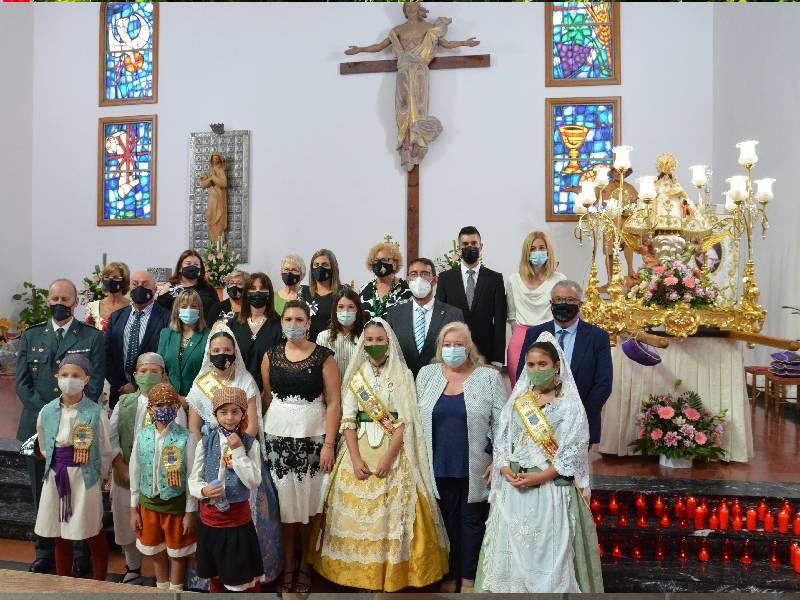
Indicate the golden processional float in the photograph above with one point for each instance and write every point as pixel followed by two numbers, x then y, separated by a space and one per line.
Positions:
pixel 671 292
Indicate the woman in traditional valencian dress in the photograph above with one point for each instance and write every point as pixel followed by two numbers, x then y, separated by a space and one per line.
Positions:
pixel 382 529
pixel 540 536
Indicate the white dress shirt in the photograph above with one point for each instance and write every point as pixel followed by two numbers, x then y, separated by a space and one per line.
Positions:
pixel 465 275
pixel 65 326
pixel 246 465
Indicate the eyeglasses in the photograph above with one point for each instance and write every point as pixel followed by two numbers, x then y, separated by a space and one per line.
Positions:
pixel 426 275
pixel 565 300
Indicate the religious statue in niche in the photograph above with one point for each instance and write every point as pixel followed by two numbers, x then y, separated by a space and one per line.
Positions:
pixel 216 183
pixel 415 43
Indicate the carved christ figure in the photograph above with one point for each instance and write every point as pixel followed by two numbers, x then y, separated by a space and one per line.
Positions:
pixel 414 43
pixel 216 182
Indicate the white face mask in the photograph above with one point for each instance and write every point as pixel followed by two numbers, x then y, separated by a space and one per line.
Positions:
pixel 71 386
pixel 420 287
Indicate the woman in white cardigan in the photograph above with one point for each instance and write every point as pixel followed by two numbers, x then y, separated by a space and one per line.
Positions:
pixel 460 401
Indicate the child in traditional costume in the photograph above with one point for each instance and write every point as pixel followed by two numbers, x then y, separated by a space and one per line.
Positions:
pixel 72 434
pixel 227 467
pixel 540 536
pixel 382 529
pixel 162 513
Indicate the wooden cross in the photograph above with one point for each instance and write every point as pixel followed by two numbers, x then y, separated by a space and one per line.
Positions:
pixel 412 186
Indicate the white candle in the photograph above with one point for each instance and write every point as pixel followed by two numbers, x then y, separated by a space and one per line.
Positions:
pixel 747 153
pixel 579 207
pixel 698 175
pixel 764 193
pixel 730 205
pixel 647 187
pixel 622 157
pixel 738 189
pixel 602 175
pixel 587 194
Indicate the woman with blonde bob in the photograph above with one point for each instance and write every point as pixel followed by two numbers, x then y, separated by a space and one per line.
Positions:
pixel 528 292
pixel 387 289
pixel 460 400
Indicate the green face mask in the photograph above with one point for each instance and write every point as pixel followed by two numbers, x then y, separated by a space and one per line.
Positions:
pixel 146 381
pixel 377 351
pixel 541 379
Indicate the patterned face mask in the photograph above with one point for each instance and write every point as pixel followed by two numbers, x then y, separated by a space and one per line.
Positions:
pixel 165 414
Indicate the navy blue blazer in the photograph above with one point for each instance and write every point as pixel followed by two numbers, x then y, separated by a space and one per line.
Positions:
pixel 115 340
pixel 591 367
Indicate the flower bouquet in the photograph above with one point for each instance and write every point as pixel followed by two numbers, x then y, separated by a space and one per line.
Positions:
pixel 92 287
pixel 449 260
pixel 678 427
pixel 220 262
pixel 673 282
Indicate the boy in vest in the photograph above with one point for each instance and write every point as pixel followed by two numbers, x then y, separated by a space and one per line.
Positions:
pixel 227 467
pixel 129 416
pixel 73 439
pixel 162 512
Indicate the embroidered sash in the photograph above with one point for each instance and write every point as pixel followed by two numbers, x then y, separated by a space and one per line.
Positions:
pixel 209 383
pixel 536 424
pixel 369 403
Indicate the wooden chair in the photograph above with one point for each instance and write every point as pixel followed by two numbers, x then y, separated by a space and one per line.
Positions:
pixel 776 389
pixel 756 371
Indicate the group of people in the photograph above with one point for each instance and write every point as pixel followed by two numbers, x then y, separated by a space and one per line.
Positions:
pixel 367 436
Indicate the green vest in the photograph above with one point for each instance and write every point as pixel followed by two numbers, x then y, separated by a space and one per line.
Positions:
pixel 126 425
pixel 176 436
pixel 88 412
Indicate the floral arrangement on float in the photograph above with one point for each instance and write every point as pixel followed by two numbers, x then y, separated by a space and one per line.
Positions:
pixel 92 287
pixel 679 429
pixel 673 282
pixel 220 262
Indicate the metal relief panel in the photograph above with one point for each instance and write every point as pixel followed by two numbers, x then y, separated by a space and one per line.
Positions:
pixel 235 149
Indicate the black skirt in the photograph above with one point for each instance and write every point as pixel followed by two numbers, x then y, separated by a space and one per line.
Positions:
pixel 231 554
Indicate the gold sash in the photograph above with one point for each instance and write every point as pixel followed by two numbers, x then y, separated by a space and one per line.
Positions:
pixel 535 423
pixel 370 403
pixel 209 383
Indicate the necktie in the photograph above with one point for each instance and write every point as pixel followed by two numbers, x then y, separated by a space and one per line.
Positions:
pixel 419 328
pixel 133 343
pixel 470 286
pixel 60 335
pixel 561 335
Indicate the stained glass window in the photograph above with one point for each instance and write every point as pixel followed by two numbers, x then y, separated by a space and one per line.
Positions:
pixel 582 43
pixel 129 53
pixel 127 174
pixel 582 132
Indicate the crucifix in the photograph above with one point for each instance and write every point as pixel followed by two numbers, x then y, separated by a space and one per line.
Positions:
pixel 414 43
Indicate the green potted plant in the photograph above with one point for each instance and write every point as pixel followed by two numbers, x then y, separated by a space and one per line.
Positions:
pixel 35 301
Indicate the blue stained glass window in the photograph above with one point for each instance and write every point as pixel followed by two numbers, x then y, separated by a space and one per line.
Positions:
pixel 129 47
pixel 583 40
pixel 127 166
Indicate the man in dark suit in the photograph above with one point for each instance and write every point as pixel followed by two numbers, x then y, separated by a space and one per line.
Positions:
pixel 480 294
pixel 41 350
pixel 586 346
pixel 417 322
pixel 132 331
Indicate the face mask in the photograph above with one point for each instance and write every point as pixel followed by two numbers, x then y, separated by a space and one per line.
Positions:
pixel 454 356
pixel 165 414
pixel 420 287
pixel 381 268
pixel 346 318
pixel 470 254
pixel 322 273
pixel 146 381
pixel 538 257
pixel 222 361
pixel 541 379
pixel 377 351
pixel 71 386
pixel 112 286
pixel 294 334
pixel 234 292
pixel 141 295
pixel 257 299
pixel 188 316
pixel 191 272
pixel 564 312
pixel 290 279
pixel 60 312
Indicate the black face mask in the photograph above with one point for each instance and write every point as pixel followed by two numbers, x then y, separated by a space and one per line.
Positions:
pixel 257 299
pixel 470 254
pixel 191 272
pixel 112 286
pixel 381 268
pixel 60 312
pixel 141 295
pixel 222 361
pixel 290 278
pixel 234 292
pixel 322 273
pixel 563 313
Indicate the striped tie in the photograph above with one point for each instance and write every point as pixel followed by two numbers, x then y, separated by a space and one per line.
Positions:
pixel 419 328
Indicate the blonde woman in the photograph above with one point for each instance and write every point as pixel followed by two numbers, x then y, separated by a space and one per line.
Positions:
pixel 232 305
pixel 460 400
pixel 293 271
pixel 387 289
pixel 528 292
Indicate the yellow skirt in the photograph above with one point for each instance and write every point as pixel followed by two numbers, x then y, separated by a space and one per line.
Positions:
pixel 377 534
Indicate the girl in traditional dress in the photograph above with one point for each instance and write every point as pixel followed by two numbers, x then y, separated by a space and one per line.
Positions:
pixel 223 366
pixel 382 528
pixel 540 536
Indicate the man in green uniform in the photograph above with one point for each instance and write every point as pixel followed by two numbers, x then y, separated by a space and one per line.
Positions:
pixel 41 349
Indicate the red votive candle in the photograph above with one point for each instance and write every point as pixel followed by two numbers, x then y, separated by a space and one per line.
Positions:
pixel 595 506
pixel 641 522
pixel 724 517
pixel 713 521
pixel 783 522
pixel 746 560
pixel 641 506
pixel 699 517
pixel 794 556
pixel 736 508
pixel 773 554
pixel 769 522
pixel 613 507
pixel 702 555
pixel 658 507
pixel 659 548
pixel 598 519
pixel 726 550
pixel 737 523
pixel 752 519
pixel 691 505
pixel 622 521
pixel 796 524
pixel 680 508
pixel 616 550
pixel 664 522
pixel 762 510
pixel 636 547
pixel 683 549
pixel 683 523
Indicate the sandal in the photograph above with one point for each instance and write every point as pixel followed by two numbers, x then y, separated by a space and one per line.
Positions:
pixel 285 586
pixel 300 587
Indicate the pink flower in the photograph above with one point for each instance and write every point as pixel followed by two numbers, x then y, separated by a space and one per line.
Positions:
pixel 689 282
pixel 670 280
pixel 691 413
pixel 666 412
pixel 658 269
pixel 700 438
pixel 671 439
pixel 656 434
pixel 220 256
pixel 641 433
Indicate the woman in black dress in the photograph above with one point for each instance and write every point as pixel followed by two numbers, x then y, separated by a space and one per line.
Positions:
pixel 323 284
pixel 190 273
pixel 232 305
